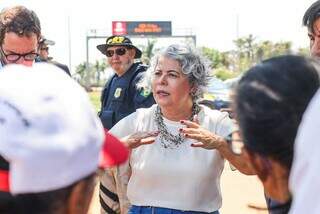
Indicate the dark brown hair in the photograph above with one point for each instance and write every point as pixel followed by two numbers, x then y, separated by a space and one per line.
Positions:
pixel 19 20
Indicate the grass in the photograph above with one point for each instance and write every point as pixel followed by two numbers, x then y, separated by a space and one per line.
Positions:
pixel 208 96
pixel 95 99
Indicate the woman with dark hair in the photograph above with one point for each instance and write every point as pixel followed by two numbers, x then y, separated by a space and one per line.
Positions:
pixel 269 102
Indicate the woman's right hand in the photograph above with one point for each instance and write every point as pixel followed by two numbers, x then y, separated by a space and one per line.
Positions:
pixel 140 138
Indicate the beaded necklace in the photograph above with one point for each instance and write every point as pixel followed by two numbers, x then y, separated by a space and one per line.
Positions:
pixel 167 139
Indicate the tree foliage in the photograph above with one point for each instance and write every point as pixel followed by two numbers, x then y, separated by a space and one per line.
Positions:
pixel 91 75
pixel 248 51
pixel 148 51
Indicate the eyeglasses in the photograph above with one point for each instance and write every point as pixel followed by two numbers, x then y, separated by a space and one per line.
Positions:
pixel 118 51
pixel 14 57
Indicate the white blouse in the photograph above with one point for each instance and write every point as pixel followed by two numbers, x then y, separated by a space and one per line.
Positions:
pixel 183 178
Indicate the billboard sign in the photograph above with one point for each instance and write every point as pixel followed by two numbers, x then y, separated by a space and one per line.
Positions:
pixel 157 28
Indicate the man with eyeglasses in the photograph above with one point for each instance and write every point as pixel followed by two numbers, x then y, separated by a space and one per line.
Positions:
pixel 120 97
pixel 20 32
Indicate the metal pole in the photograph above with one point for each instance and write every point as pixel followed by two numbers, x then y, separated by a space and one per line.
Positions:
pixel 87 72
pixel 69 39
pixel 237 26
pixel 194 40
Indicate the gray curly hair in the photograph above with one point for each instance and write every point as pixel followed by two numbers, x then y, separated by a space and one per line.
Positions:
pixel 192 63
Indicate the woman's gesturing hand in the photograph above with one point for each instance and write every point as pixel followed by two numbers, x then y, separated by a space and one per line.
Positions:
pixel 205 138
pixel 140 138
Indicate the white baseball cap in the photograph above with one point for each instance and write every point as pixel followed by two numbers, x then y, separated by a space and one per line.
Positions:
pixel 49 131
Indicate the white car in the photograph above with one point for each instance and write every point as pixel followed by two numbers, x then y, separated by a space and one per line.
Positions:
pixel 219 89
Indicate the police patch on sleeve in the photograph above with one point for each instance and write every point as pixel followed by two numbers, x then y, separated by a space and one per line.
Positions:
pixel 145 92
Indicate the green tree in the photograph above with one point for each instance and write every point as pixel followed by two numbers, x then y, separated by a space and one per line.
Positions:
pixel 214 56
pixel 148 51
pixel 92 75
pixel 304 51
pixel 83 75
pixel 267 49
pixel 249 51
pixel 98 69
pixel 243 56
pixel 80 70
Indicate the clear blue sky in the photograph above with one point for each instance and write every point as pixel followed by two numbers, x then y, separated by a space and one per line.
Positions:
pixel 213 21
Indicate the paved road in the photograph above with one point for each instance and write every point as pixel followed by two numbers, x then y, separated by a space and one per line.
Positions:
pixel 238 191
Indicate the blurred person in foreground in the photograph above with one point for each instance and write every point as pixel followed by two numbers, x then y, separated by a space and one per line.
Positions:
pixel 120 97
pixel 20 32
pixel 269 102
pixel 179 170
pixel 305 173
pixel 311 19
pixel 50 142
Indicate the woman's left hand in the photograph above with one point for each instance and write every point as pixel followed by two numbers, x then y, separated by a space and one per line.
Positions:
pixel 205 138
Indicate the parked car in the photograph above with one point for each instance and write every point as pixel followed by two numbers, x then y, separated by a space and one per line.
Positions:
pixel 220 90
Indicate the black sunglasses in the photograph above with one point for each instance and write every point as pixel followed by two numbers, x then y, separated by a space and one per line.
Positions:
pixel 44 49
pixel 118 51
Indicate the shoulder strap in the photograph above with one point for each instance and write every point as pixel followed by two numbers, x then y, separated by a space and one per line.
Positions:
pixel 141 68
pixel 105 92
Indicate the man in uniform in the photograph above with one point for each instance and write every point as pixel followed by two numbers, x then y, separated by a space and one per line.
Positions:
pixel 44 49
pixel 120 97
pixel 44 54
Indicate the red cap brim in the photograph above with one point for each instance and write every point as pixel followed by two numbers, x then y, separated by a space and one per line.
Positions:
pixel 4 181
pixel 113 152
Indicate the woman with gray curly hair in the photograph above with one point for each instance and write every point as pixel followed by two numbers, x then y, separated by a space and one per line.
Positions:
pixel 170 174
pixel 193 65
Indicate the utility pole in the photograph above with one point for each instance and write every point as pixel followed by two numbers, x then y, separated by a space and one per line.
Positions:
pixel 69 41
pixel 87 72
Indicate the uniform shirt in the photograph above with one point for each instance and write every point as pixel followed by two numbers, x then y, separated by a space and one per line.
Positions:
pixel 121 97
pixel 183 178
pixel 59 65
